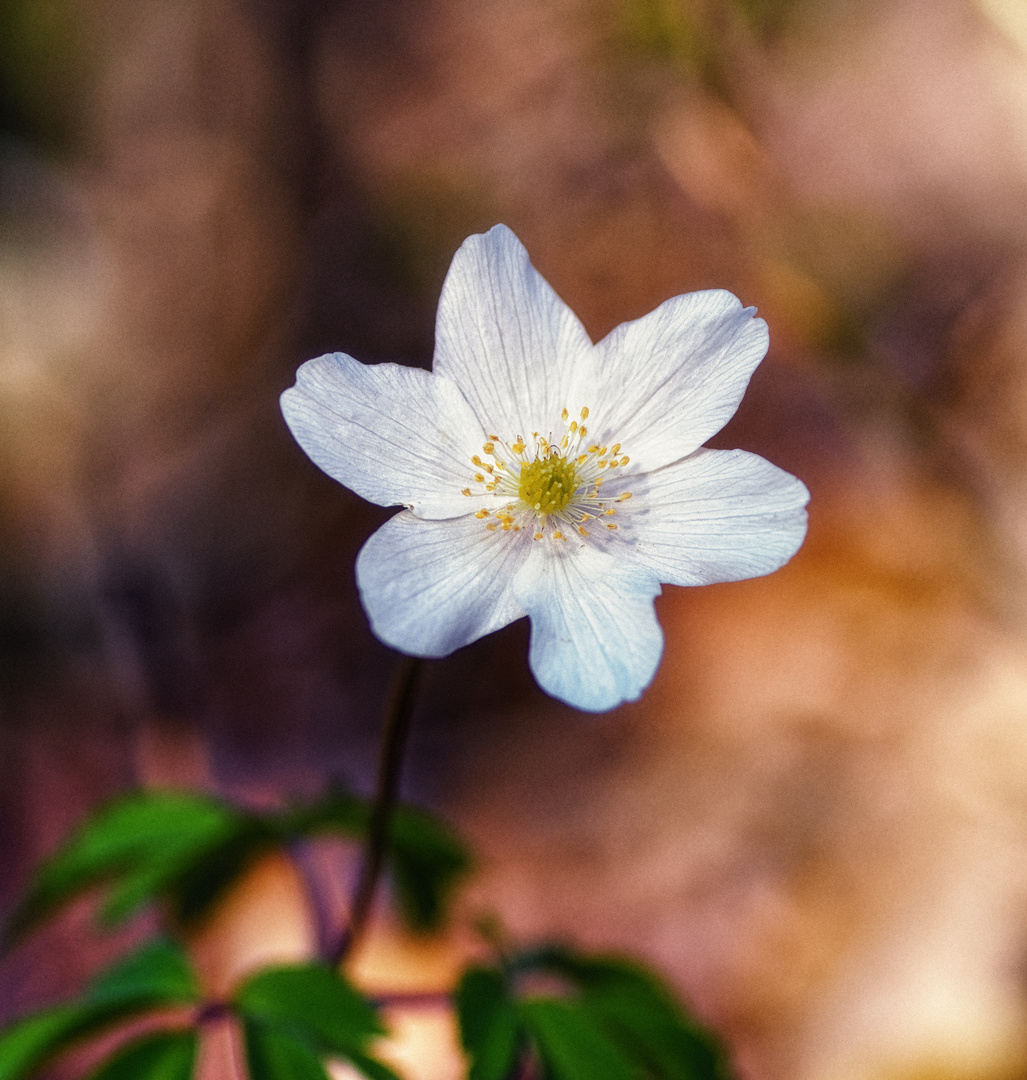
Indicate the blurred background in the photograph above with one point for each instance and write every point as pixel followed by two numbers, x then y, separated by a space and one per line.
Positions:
pixel 815 822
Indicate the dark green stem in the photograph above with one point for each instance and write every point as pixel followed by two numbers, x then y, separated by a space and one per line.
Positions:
pixel 396 728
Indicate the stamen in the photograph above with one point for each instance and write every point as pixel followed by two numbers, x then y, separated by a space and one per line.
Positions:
pixel 611 526
pixel 465 491
pixel 564 415
pixel 584 413
pixel 488 447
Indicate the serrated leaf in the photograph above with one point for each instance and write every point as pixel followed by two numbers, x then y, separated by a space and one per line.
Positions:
pixel 571 1044
pixel 315 1003
pixel 169 1055
pixel 426 859
pixel 272 1054
pixel 488 1023
pixel 159 972
pixel 139 833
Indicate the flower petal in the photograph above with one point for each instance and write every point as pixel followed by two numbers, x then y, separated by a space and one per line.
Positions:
pixel 430 587
pixel 719 515
pixel 515 349
pixel 673 378
pixel 392 434
pixel 595 641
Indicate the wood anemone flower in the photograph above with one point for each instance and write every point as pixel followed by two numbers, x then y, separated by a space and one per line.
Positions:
pixel 546 476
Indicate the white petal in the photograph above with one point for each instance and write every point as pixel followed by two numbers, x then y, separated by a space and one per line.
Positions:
pixel 719 515
pixel 430 587
pixel 392 434
pixel 515 349
pixel 673 378
pixel 595 641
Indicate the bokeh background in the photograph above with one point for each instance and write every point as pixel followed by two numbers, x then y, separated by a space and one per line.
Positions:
pixel 815 822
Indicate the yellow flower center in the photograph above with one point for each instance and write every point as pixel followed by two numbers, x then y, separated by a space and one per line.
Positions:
pixel 548 484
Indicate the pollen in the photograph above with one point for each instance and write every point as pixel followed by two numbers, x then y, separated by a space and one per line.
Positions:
pixel 548 484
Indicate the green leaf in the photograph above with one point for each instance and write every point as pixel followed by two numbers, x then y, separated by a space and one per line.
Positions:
pixel 488 1023
pixel 634 1007
pixel 169 1055
pixel 371 1068
pixel 29 1042
pixel 571 1044
pixel 313 1002
pixel 276 1055
pixel 426 860
pixel 157 973
pixel 151 834
pixel 204 878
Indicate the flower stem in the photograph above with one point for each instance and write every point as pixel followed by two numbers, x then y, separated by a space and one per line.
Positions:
pixel 396 728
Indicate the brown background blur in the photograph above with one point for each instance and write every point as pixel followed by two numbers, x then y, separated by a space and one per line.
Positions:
pixel 815 822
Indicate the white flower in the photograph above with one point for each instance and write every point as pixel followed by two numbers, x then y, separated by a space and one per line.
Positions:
pixel 546 476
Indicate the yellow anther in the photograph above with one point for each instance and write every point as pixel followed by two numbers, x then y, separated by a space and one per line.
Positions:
pixel 602 451
pixel 487 468
pixel 583 431
pixel 564 415
pixel 481 514
pixel 615 449
pixel 465 491
pixel 491 487
pixel 603 464
pixel 488 448
pixel 491 526
pixel 494 438
pixel 476 461
pixel 563 442
pixel 594 448
pixel 500 464
pixel 537 536
pixel 559 536
pixel 609 513
pixel 583 530
pixel 611 526
pixel 624 497
pixel 574 426
pixel 624 460
pixel 581 459
pixel 506 526
pixel 584 413
pixel 479 477
pixel 518 447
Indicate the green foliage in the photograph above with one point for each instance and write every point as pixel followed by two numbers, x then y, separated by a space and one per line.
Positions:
pixel 156 975
pixel 615 1020
pixel 295 1015
pixel 141 843
pixel 272 1054
pixel 186 849
pixel 168 1055
pixel 488 1023
pixel 426 860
